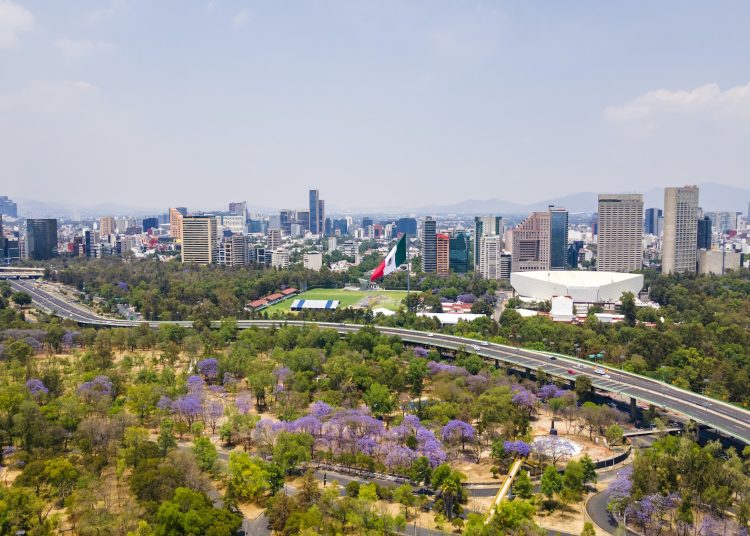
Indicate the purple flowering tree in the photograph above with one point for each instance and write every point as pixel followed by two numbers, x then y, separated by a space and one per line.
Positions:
pixel 444 368
pixel 466 298
pixel 98 389
pixel 550 391
pixel 209 368
pixel 398 457
pixel 164 403
pixel 518 449
pixel 214 412
pixel 320 410
pixel 457 430
pixel 244 403
pixel 36 388
pixel 419 351
pixel 189 408
pixel 553 447
pixel 525 399
pixel 619 491
pixel 195 384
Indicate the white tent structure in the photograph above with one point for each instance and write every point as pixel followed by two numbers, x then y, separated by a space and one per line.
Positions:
pixel 581 286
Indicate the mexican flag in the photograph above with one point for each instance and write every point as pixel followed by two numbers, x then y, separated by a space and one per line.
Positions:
pixel 395 258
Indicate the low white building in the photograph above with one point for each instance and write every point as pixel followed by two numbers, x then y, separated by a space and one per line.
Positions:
pixel 580 286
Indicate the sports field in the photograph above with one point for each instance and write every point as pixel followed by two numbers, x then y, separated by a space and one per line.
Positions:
pixel 388 299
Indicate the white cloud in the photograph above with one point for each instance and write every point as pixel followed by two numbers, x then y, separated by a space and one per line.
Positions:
pixel 106 12
pixel 707 102
pixel 14 20
pixel 241 19
pixel 73 49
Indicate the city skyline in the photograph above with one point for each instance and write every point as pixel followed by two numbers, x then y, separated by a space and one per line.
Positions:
pixel 408 99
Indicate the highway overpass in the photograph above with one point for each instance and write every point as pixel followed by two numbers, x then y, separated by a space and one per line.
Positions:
pixel 725 418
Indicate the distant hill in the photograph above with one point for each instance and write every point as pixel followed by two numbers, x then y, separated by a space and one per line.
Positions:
pixel 712 197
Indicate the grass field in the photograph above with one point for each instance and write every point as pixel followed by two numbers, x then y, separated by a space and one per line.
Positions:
pixel 388 299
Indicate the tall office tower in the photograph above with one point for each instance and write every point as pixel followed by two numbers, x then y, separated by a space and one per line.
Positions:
pixel 558 238
pixel 317 209
pixel 106 226
pixel 234 251
pixel 679 248
pixel 407 226
pixel 429 245
pixel 531 243
pixel 366 222
pixel 2 240
pixel 176 214
pixel 321 217
pixel 704 233
pixel 485 226
pixel 620 233
pixel 651 224
pixel 150 223
pixel 239 208
pixel 200 240
pixel 8 207
pixel 491 248
pixel 303 219
pixel 459 252
pixel 41 238
pixel 286 218
pixel 273 237
pixel 443 254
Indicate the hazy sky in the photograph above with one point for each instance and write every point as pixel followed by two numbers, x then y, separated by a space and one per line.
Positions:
pixel 376 103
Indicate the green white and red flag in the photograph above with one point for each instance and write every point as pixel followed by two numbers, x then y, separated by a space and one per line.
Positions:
pixel 395 258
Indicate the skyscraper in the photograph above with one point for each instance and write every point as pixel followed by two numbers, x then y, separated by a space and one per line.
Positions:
pixel 429 245
pixel 150 223
pixel 459 252
pixel 531 243
pixel 407 226
pixel 106 226
pixel 238 208
pixel 317 212
pixel 704 233
pixel 176 214
pixel 558 238
pixel 41 238
pixel 8 207
pixel 679 249
pixel 620 233
pixel 273 241
pixel 491 247
pixel 485 226
pixel 443 254
pixel 200 240
pixel 652 221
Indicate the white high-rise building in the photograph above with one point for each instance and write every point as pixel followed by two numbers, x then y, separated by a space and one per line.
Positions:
pixel 280 258
pixel 491 250
pixel 620 233
pixel 313 260
pixel 679 250
pixel 531 240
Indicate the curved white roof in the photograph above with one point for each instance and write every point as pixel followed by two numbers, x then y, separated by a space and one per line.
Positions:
pixel 582 286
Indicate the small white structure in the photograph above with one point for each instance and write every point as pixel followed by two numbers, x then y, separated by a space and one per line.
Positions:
pixel 562 309
pixel 580 286
pixel 299 305
pixel 313 260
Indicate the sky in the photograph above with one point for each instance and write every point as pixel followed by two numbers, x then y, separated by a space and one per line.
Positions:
pixel 376 103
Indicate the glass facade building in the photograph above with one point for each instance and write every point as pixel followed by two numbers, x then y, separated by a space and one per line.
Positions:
pixel 41 238
pixel 459 253
pixel 558 240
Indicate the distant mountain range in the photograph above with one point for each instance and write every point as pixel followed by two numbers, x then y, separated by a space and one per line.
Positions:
pixel 713 196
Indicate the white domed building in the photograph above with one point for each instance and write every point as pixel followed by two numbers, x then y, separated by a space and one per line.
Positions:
pixel 581 286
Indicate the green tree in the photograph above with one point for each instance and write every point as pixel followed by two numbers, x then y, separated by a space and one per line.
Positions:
pixel 614 435
pixel 205 453
pixel 583 387
pixel 522 486
pixel 572 481
pixel 551 482
pixel 247 478
pixel 589 469
pixel 291 449
pixel 380 400
pixel 588 529
pixel 627 307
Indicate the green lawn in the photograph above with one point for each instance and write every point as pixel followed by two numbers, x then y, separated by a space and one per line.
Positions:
pixel 389 299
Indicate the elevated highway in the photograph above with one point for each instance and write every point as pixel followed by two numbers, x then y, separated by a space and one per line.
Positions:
pixel 725 418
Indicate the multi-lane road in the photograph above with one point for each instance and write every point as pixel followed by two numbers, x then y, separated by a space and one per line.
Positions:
pixel 727 419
